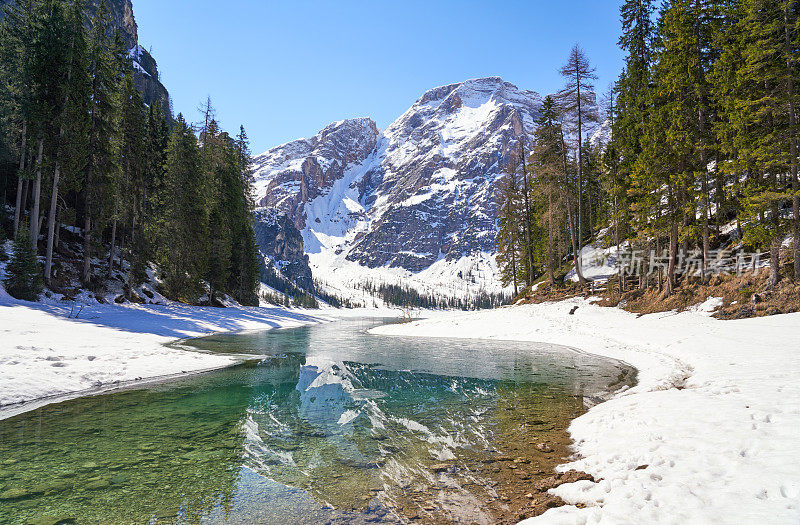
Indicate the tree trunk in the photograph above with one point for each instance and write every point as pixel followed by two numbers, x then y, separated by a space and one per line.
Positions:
pixel 575 254
pixel 87 233
pixel 51 220
pixel 796 234
pixel 113 245
pixel 660 271
pixel 26 189
pixel 706 242
pixel 573 237
pixel 525 191
pixel 550 255
pixel 792 141
pixel 37 191
pixel 514 270
pixel 58 232
pixel 580 159
pixel 774 261
pixel 673 255
pixel 133 246
pixel 21 176
pixel 621 275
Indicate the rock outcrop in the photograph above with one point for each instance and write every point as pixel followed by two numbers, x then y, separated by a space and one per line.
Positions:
pixel 298 172
pixel 281 245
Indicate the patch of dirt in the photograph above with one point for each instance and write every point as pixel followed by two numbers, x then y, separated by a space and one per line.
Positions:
pixel 746 295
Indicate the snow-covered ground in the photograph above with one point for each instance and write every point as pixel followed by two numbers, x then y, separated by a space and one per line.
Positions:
pixel 711 433
pixel 45 354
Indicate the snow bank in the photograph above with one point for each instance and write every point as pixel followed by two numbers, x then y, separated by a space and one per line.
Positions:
pixel 45 354
pixel 711 434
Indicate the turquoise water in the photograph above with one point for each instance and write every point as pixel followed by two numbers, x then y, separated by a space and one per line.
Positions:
pixel 334 425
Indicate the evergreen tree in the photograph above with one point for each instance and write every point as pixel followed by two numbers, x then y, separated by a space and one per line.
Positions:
pixel 182 224
pixel 633 101
pixel 69 148
pixel 245 256
pixel 23 271
pixel 221 172
pixel 759 128
pixel 509 234
pixel 133 164
pixel 578 103
pixel 550 182
pixel 16 41
pixel 104 84
pixel 156 142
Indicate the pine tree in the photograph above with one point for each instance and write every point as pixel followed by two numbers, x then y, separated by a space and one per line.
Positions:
pixel 16 42
pixel 182 224
pixel 133 160
pixel 23 271
pixel 69 148
pixel 49 59
pixel 221 172
pixel 633 101
pixel 509 234
pixel 758 129
pixel 550 182
pixel 578 103
pixel 156 142
pixel 245 258
pixel 104 85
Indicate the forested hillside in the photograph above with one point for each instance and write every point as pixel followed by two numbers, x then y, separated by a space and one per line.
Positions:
pixel 102 186
pixel 702 161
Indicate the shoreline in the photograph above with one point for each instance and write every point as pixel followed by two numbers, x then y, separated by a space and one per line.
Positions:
pixel 47 358
pixel 708 435
pixel 166 338
pixel 10 411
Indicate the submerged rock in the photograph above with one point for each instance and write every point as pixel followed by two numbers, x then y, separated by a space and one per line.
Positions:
pixel 16 493
pixel 51 520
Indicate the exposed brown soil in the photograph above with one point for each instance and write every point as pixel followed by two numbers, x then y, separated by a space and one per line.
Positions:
pixel 745 295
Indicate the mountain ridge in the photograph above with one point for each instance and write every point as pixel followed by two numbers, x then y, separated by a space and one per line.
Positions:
pixel 414 201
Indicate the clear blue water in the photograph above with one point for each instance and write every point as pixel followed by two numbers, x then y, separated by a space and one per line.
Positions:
pixel 332 426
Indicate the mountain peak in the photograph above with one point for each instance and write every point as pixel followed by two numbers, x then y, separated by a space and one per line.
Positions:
pixel 418 197
pixel 477 91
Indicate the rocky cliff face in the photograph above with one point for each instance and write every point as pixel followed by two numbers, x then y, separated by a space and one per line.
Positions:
pixel 281 245
pixel 419 197
pixel 145 68
pixel 432 191
pixel 121 12
pixel 147 81
pixel 296 173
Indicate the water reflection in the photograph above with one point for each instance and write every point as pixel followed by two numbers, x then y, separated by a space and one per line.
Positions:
pixel 334 425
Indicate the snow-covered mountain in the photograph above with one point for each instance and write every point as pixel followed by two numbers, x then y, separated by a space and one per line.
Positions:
pixel 602 135
pixel 414 204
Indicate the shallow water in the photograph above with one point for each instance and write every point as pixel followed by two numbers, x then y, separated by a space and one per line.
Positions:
pixel 334 425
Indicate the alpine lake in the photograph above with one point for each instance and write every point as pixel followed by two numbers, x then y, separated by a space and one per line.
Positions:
pixel 325 424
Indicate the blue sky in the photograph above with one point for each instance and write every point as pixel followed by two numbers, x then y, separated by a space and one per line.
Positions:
pixel 287 69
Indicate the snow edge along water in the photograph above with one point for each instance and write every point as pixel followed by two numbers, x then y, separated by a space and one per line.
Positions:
pixel 709 433
pixel 47 357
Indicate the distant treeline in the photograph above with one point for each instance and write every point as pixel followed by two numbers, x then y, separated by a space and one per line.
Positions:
pixel 406 296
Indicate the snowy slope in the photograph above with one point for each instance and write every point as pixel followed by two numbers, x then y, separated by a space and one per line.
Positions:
pixel 419 205
pixel 46 354
pixel 708 436
pixel 602 135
